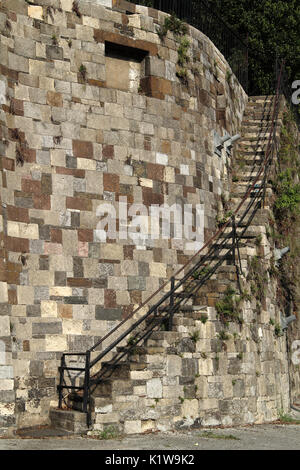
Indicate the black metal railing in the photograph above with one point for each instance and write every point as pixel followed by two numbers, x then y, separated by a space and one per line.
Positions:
pixel 200 268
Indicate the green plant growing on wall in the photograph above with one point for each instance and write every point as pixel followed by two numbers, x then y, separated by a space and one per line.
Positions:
pixel 203 318
pixel 258 240
pixel 83 72
pixel 277 330
pixel 222 219
pixel 258 277
pixel 223 336
pixel 179 29
pixel 201 273
pixel 195 336
pixel 228 76
pixel 228 307
pixel 54 40
pixel 174 24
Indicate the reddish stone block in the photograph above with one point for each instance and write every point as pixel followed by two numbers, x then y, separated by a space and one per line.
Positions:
pixel 65 311
pixel 98 83
pixel 78 282
pixel 52 248
pixel 16 107
pixel 20 245
pixel 31 186
pixel 70 171
pixel 126 311
pixel 149 197
pixel 18 214
pixel 79 204
pixel 56 235
pixel 155 171
pixel 188 189
pixel 54 99
pixel 135 297
pixel 26 345
pixel 156 87
pixel 8 164
pixel 42 201
pixel 12 297
pixel 85 235
pixel 110 299
pixel 128 251
pixel 83 249
pixel 82 149
pixel 29 155
pixel 111 182
pixel 147 143
pixel 108 151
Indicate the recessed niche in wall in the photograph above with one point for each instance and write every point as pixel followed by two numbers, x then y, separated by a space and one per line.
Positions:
pixel 125 66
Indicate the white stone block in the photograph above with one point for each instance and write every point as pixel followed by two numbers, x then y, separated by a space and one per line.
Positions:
pixel 3 293
pixel 154 388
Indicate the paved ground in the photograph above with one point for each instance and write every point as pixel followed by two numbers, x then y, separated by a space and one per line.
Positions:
pixel 261 437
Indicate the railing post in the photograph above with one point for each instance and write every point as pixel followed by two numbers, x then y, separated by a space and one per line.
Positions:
pixel 234 247
pixel 86 389
pixel 171 306
pixel 61 380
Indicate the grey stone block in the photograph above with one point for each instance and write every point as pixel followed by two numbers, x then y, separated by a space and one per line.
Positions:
pixel 108 313
pixel 45 328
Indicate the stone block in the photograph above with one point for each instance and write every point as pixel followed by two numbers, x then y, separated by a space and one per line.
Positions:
pixel 48 308
pixel 35 11
pixel 132 427
pixel 154 388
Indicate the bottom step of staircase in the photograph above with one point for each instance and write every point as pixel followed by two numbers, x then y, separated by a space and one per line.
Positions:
pixel 69 420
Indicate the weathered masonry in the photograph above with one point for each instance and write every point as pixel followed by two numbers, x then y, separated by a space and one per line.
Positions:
pixel 95 107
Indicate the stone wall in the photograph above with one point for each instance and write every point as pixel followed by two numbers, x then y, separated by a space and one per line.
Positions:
pixel 72 138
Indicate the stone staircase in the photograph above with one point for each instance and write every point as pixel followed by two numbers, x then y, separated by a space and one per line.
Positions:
pixel 148 389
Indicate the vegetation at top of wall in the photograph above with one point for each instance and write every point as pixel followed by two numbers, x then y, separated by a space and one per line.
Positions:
pixel 179 29
pixel 173 24
pixel 268 27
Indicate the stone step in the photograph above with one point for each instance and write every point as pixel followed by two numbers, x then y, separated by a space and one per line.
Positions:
pixel 69 420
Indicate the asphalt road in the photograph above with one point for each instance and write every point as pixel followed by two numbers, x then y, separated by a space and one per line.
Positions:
pixel 260 437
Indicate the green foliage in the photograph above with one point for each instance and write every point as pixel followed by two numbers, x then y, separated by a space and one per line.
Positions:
pixel 223 336
pixel 278 330
pixel 108 433
pixel 174 24
pixel 286 419
pixel 82 71
pixel 221 220
pixel 201 273
pixel 270 27
pixel 203 318
pixel 195 336
pixel 258 277
pixel 227 307
pixel 288 193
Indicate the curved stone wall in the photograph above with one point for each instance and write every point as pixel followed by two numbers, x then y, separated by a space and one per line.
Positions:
pixel 92 111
